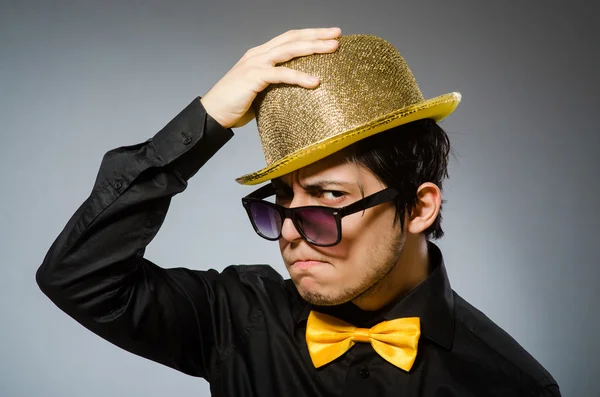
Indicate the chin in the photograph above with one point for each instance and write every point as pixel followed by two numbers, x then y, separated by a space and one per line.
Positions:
pixel 318 294
pixel 323 300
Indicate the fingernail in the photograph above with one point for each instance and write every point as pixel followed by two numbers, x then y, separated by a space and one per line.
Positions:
pixel 313 79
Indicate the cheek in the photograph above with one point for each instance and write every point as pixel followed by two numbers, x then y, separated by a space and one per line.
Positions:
pixel 362 235
pixel 357 228
pixel 353 250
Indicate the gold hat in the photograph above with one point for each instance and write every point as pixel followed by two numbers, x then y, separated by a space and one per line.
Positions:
pixel 366 88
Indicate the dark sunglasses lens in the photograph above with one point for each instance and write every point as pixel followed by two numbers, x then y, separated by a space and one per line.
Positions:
pixel 266 219
pixel 318 225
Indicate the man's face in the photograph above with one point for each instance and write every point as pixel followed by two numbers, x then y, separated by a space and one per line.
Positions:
pixel 371 241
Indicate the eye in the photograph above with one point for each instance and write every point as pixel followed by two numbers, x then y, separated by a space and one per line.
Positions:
pixel 332 195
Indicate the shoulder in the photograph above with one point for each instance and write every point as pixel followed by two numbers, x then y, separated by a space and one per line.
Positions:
pixel 265 291
pixel 255 272
pixel 256 277
pixel 261 281
pixel 494 350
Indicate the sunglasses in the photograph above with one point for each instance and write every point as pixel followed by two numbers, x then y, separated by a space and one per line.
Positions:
pixel 318 225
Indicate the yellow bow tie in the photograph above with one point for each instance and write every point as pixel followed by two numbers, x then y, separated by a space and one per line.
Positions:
pixel 396 341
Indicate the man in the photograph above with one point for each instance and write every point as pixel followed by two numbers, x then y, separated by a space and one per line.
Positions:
pixel 355 162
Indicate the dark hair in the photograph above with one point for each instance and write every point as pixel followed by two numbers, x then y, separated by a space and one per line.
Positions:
pixel 405 157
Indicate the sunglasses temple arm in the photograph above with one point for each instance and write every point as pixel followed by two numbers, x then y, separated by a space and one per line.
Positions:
pixel 370 201
pixel 263 192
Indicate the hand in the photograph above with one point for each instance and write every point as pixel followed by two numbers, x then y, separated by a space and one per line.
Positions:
pixel 229 101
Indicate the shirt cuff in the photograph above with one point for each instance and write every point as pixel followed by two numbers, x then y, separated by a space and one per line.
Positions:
pixel 189 140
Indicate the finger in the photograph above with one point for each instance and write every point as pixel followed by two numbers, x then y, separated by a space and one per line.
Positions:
pixel 294 49
pixel 283 75
pixel 300 34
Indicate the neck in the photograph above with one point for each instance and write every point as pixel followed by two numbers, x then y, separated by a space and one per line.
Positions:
pixel 410 270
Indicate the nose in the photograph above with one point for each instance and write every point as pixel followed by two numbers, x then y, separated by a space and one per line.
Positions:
pixel 289 231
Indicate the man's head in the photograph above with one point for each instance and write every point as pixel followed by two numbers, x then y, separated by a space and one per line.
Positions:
pixel 365 129
pixel 411 159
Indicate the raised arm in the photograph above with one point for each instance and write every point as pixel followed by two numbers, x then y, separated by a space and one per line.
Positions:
pixel 95 271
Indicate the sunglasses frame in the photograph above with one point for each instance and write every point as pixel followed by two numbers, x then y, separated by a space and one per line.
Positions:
pixel 338 213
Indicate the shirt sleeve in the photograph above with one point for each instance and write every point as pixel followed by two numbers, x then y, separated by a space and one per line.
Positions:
pixel 95 270
pixel 548 391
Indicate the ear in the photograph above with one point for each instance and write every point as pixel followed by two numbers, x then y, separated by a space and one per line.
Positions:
pixel 427 208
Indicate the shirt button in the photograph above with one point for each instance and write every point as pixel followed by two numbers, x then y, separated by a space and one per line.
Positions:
pixel 364 373
pixel 187 140
pixel 117 185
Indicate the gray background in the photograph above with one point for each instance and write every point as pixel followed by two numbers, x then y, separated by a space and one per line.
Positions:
pixel 80 78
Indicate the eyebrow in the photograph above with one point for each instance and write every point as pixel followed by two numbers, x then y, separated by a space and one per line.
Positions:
pixel 317 185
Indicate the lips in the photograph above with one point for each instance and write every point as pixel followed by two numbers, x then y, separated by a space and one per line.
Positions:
pixel 306 264
pixel 303 260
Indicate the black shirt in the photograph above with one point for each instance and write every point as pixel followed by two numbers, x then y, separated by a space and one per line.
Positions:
pixel 243 329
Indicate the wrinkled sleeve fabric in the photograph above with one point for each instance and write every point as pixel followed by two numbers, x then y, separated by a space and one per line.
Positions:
pixel 95 270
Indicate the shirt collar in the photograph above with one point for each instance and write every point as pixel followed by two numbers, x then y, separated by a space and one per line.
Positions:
pixel 432 301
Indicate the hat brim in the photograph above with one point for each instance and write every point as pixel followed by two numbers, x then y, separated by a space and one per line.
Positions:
pixel 435 108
